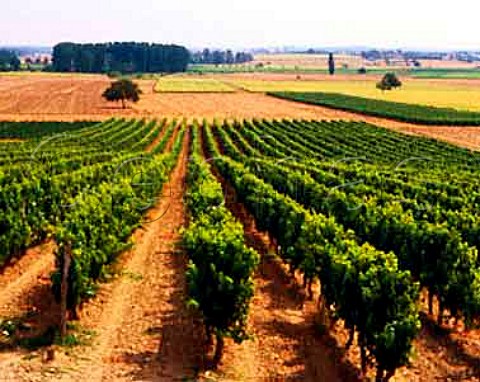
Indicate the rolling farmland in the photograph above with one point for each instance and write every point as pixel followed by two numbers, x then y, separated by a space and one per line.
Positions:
pixel 66 97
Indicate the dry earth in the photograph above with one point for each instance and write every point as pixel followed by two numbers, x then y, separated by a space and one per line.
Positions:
pixel 68 98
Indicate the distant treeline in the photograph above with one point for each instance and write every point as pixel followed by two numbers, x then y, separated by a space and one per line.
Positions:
pixel 375 54
pixel 218 57
pixel 8 61
pixel 127 57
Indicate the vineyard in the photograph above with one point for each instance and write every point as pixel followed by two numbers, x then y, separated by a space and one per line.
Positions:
pixel 380 230
pixel 418 114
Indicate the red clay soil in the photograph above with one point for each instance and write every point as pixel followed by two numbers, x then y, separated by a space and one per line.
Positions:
pixel 27 299
pixel 20 277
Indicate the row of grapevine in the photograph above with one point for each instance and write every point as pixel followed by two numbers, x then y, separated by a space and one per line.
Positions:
pixel 378 142
pixel 457 190
pixel 221 266
pixel 167 134
pixel 30 208
pixel 435 255
pixel 365 286
pixel 35 197
pixel 426 200
pixel 28 130
pixel 111 135
pixel 458 213
pixel 98 226
pixel 336 140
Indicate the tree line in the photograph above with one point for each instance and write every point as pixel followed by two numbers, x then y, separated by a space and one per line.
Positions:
pixel 9 61
pixel 218 57
pixel 127 57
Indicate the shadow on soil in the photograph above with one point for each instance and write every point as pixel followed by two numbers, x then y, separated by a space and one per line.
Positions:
pixel 34 329
pixel 457 354
pixel 319 353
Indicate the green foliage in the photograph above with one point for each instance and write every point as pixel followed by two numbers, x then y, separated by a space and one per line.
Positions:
pixel 220 264
pixel 98 226
pixel 30 130
pixel 431 253
pixel 9 61
pixel 120 57
pixel 331 64
pixel 423 214
pixel 40 180
pixel 218 57
pixel 388 82
pixel 122 90
pixel 380 205
pixel 80 184
pixel 365 286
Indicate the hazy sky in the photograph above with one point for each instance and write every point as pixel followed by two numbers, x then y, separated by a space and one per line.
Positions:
pixel 245 23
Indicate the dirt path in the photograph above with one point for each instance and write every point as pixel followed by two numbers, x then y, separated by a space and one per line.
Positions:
pixel 143 330
pixel 19 279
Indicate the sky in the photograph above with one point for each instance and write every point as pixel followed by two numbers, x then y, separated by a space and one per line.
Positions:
pixel 423 24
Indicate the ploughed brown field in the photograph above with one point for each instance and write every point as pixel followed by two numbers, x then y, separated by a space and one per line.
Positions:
pixel 78 97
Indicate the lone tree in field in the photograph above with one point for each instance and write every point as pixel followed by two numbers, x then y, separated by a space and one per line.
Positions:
pixel 122 90
pixel 331 64
pixel 389 82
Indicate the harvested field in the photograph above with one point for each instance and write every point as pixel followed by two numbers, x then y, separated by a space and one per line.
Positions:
pixel 307 60
pixel 49 98
pixel 71 98
pixel 370 77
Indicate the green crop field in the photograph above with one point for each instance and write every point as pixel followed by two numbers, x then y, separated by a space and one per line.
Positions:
pixel 405 112
pixel 446 73
pixel 171 84
pixel 438 94
pixel 410 220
